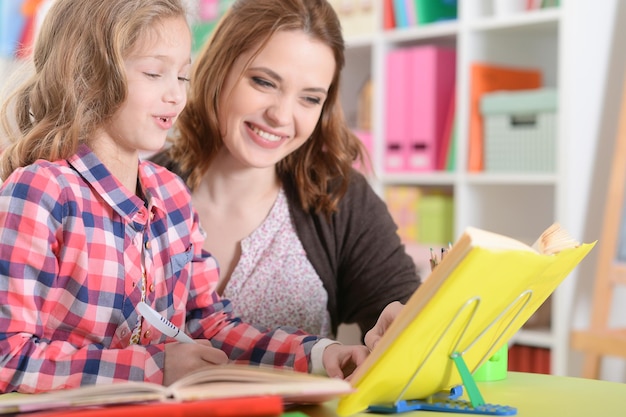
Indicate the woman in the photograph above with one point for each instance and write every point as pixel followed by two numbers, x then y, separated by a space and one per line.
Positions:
pixel 265 149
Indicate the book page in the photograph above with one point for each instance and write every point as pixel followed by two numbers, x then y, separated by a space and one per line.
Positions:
pixel 233 380
pixel 119 393
pixel 495 241
pixel 555 239
pixel 242 373
pixel 552 240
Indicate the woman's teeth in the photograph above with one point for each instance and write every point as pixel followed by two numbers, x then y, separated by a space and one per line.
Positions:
pixel 265 135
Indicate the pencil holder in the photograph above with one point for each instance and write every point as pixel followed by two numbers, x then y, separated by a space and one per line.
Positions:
pixel 495 368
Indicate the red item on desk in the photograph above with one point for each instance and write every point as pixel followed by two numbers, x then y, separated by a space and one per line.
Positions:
pixel 265 406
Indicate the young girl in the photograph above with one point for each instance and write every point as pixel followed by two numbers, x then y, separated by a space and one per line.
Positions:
pixel 87 231
pixel 268 155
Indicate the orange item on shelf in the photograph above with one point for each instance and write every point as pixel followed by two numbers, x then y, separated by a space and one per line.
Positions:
pixel 485 78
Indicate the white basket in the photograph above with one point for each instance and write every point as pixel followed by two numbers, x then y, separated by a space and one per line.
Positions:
pixel 520 131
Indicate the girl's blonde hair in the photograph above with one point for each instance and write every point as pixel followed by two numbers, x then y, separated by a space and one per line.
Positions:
pixel 248 25
pixel 79 79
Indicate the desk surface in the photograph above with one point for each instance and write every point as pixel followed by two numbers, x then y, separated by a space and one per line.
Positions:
pixel 534 395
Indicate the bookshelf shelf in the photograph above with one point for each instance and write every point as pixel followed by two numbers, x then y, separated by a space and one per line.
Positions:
pixel 359 41
pixel 448 179
pixel 512 179
pixel 433 31
pixel 534 337
pixel 536 20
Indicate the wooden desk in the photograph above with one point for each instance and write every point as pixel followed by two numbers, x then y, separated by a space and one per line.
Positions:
pixel 534 395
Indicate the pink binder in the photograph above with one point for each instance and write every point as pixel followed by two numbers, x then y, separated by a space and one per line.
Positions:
pixel 396 110
pixel 430 86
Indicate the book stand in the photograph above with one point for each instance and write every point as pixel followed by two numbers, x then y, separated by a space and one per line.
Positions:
pixel 449 401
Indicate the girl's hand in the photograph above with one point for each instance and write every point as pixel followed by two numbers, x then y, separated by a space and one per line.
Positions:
pixel 184 358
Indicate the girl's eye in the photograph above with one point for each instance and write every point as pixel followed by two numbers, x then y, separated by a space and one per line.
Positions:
pixel 151 75
pixel 183 79
pixel 262 82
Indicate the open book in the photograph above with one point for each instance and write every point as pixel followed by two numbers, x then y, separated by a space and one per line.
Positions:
pixel 479 295
pixel 216 382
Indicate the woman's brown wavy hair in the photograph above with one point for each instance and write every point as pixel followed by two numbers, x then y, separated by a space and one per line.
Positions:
pixel 79 80
pixel 248 25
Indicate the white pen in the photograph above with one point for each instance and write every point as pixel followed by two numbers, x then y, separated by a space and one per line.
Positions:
pixel 164 325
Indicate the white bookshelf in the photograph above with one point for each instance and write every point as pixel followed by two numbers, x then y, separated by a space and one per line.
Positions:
pixel 521 206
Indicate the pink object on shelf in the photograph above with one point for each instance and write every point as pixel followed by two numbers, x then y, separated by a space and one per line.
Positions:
pixel 208 10
pixel 431 86
pixel 367 141
pixel 396 110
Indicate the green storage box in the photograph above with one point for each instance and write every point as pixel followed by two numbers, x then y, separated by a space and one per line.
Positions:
pixel 435 219
pixel 520 130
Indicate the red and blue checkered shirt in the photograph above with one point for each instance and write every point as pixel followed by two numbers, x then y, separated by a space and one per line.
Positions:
pixel 71 242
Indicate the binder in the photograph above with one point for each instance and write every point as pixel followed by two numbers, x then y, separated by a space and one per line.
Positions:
pixel 431 87
pixel 445 146
pixel 396 110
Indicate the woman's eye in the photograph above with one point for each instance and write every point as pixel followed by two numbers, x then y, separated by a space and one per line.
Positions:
pixel 183 79
pixel 262 82
pixel 151 75
pixel 313 100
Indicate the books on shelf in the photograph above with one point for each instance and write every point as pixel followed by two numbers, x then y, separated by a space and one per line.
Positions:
pixel 400 14
pixel 407 13
pixel 389 20
pixel 211 383
pixel 432 11
pixel 473 302
pixel 533 359
pixel 420 84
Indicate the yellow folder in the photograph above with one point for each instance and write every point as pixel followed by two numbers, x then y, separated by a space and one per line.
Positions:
pixel 480 294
